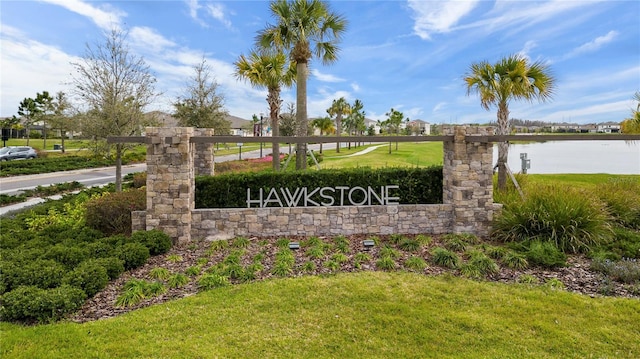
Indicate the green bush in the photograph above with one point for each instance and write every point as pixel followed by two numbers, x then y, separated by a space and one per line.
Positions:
pixel 69 256
pixel 445 258
pixel 89 276
pixel 99 249
pixel 114 266
pixel 133 254
pixel 157 241
pixel 622 199
pixel 416 185
pixel 545 254
pixel 111 213
pixel 41 273
pixel 624 271
pixel 29 303
pixel 563 216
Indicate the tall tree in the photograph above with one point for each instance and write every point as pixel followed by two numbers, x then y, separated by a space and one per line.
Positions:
pixel 202 106
pixel 29 111
pixel 355 119
pixel 115 86
pixel 632 124
pixel 270 70
pixel 45 104
pixel 325 125
pixel 305 29
pixel 339 108
pixel 394 120
pixel 60 118
pixel 511 78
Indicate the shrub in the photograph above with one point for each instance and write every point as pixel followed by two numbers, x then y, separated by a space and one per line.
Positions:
pixel 386 263
pixel 282 269
pixel 445 258
pixel 409 244
pixel 29 303
pixel 69 256
pixel 113 265
pixel 111 213
pixel 415 263
pixel 315 252
pixel 193 271
pixel 515 260
pixel 240 242
pixel 211 281
pixel 528 279
pixel 332 265
pixel 484 264
pixel 308 267
pixel 624 271
pixel 545 254
pixel 568 218
pixel 88 276
pixel 41 273
pixel 133 254
pixel 622 199
pixel 424 240
pixel 160 273
pixel 156 240
pixel 177 280
pixel 99 249
pixel 340 258
pixel 389 252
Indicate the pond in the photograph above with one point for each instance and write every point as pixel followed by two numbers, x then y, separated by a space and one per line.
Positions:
pixel 614 157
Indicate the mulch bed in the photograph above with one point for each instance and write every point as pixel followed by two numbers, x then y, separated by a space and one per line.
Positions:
pixel 576 276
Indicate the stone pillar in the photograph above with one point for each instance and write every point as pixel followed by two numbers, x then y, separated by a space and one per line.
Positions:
pixel 170 181
pixel 468 180
pixel 203 154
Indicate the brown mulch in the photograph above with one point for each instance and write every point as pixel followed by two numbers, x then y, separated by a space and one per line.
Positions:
pixel 577 276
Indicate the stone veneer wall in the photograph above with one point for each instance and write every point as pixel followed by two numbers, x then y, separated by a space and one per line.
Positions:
pixel 468 180
pixel 467 195
pixel 214 224
pixel 203 154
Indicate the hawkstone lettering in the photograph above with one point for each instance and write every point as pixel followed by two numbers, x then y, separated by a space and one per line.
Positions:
pixel 323 196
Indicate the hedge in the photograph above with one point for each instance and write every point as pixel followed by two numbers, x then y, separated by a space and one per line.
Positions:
pixel 416 185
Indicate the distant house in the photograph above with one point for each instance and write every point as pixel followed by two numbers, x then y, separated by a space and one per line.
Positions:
pixel 239 126
pixel 608 127
pixel 423 127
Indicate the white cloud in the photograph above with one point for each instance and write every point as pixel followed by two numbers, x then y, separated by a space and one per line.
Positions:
pixel 105 18
pixel 593 45
pixel 438 16
pixel 325 77
pixel 355 87
pixel 28 65
pixel 439 106
pixel 148 39
pixel 216 11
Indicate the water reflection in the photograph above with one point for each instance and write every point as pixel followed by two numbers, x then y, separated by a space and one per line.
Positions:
pixel 614 157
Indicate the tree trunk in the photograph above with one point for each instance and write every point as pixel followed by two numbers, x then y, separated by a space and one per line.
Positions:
pixel 301 114
pixel 275 147
pixel 62 136
pixel 119 167
pixel 503 147
pixel 338 130
pixel 44 135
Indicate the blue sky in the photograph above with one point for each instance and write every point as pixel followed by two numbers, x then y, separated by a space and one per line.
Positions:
pixel 409 55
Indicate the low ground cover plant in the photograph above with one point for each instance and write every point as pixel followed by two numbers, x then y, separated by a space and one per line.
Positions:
pixel 51 261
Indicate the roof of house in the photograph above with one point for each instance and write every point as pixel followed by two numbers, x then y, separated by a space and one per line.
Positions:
pixel 167 120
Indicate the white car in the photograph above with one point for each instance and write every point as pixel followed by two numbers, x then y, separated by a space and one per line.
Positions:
pixel 17 153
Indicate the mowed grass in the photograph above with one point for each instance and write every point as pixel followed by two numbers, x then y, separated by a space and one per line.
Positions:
pixel 356 315
pixel 420 154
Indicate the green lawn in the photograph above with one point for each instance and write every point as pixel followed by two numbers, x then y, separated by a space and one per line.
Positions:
pixel 359 315
pixel 408 154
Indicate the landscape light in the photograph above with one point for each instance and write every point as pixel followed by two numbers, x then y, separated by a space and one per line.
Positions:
pixel 294 245
pixel 368 243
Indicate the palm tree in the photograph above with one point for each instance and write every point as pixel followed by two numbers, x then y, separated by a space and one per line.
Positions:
pixel 632 124
pixel 305 29
pixel 270 70
pixel 511 78
pixel 325 125
pixel 338 108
